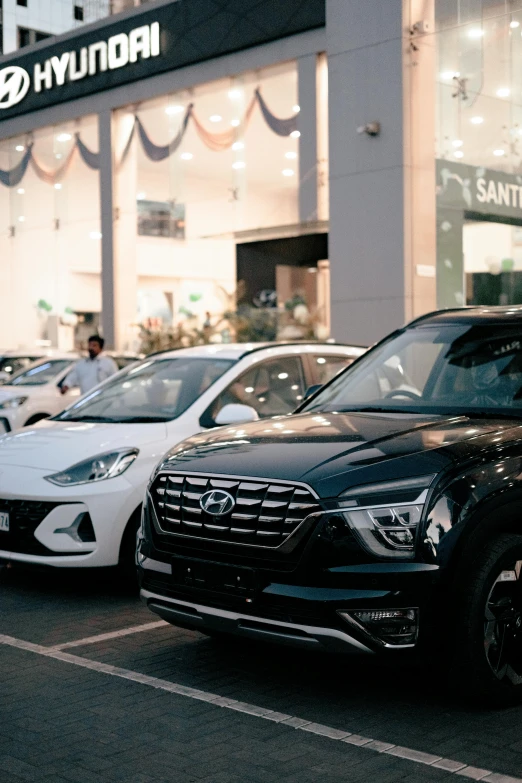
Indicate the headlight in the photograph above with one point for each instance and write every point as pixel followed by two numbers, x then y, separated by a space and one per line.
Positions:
pixel 104 466
pixel 385 516
pixel 14 402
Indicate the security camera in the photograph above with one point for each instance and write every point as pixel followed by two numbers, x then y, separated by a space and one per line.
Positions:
pixel 371 128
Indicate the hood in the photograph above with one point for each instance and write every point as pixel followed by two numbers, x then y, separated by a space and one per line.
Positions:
pixel 56 445
pixel 7 392
pixel 333 451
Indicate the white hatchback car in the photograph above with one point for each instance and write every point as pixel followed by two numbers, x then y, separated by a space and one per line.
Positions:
pixel 71 487
pixel 34 393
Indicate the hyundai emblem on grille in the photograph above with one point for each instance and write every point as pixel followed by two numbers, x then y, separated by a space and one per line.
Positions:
pixel 217 502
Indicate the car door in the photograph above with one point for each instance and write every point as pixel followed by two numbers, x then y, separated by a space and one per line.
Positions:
pixel 272 387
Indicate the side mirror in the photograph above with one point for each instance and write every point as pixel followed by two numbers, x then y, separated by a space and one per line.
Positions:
pixel 234 413
pixel 312 390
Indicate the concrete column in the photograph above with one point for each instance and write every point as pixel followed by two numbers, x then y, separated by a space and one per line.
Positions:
pixel 306 69
pixel 108 320
pixel 382 188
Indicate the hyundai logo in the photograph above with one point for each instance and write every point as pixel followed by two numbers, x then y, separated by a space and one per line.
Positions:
pixel 14 84
pixel 217 503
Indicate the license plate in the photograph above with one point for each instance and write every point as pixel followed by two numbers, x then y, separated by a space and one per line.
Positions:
pixel 235 580
pixel 4 522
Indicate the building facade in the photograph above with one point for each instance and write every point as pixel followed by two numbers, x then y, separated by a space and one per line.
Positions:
pixel 347 166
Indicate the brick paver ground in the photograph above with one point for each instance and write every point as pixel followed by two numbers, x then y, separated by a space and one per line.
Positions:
pixel 61 722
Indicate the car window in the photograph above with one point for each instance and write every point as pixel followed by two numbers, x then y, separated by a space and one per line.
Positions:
pixel 14 364
pixel 272 387
pixel 40 374
pixel 457 368
pixel 326 366
pixel 153 390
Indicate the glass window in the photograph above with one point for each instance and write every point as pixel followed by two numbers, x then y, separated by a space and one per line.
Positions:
pixel 208 165
pixel 327 366
pixel 272 388
pixel 50 246
pixel 157 390
pixel 457 369
pixel 41 374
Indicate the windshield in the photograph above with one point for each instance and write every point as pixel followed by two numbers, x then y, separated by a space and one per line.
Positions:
pixel 40 374
pixel 434 369
pixel 155 390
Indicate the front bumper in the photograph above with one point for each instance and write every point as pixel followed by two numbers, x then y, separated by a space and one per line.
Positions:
pixel 208 618
pixel 300 615
pixel 69 528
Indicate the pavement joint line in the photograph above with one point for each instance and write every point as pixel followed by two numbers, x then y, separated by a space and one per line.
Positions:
pixel 102 637
pixel 450 766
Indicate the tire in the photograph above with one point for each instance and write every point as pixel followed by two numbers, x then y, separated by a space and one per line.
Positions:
pixel 488 652
pixel 127 557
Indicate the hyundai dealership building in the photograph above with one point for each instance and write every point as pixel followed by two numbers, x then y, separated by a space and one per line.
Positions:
pixel 162 163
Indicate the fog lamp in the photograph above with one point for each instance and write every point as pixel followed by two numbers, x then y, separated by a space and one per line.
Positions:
pixel 390 627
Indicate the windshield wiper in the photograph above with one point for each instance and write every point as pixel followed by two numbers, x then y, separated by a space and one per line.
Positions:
pixel 140 419
pixel 86 418
pixel 377 409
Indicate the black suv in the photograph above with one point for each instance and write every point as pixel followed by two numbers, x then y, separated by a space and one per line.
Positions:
pixel 385 514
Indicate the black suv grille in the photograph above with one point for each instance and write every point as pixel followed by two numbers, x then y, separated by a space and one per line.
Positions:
pixel 24 518
pixel 265 513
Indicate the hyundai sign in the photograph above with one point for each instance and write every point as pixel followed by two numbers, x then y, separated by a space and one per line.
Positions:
pixel 134 46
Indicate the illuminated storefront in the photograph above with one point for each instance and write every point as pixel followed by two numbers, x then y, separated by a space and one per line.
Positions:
pixel 342 166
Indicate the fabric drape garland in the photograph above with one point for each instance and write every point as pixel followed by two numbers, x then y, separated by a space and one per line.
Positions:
pixel 217 142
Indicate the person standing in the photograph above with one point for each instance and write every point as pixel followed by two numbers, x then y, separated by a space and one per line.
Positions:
pixel 89 372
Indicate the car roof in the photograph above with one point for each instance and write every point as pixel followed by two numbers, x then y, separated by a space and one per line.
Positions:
pixel 236 351
pixel 479 316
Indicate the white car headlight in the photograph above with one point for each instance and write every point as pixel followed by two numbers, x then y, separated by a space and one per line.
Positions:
pixel 13 402
pixel 99 468
pixel 385 516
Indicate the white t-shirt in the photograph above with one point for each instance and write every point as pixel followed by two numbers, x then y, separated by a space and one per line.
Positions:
pixel 88 373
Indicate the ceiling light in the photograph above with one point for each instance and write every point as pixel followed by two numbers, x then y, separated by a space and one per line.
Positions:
pixel 238 145
pixel 288 172
pixel 296 108
pixel 186 156
pixel 290 155
pixel 21 218
pixel 477 120
pixel 458 154
pixel 475 32
pixel 141 196
pixel 215 118
pixel 235 123
pixel 295 134
pixel 234 94
pixel 457 143
pixel 503 92
pixel 514 25
pixel 64 137
pixel 95 235
pixel 19 148
pixel 449 75
pixel 58 186
pixel 20 191
pixel 499 153
pixel 177 109
pixel 239 164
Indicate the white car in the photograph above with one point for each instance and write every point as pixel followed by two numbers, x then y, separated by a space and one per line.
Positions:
pixel 34 393
pixel 12 362
pixel 71 487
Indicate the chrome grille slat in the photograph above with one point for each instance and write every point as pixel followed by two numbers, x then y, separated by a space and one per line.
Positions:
pixel 266 511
